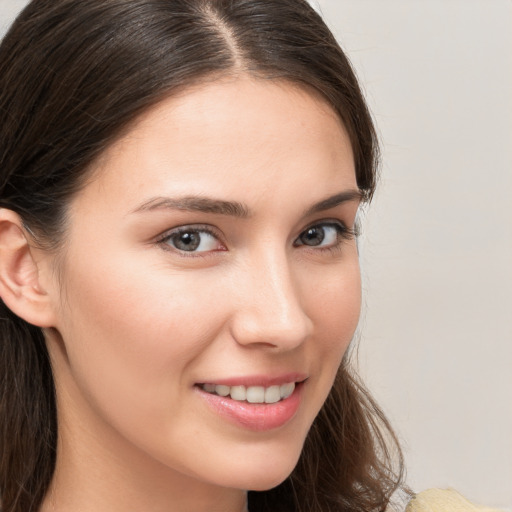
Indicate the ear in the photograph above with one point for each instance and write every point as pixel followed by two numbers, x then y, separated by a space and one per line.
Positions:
pixel 20 277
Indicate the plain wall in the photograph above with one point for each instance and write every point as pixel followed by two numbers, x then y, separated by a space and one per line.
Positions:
pixel 436 343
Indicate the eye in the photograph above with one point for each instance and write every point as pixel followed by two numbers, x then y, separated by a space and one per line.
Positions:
pixel 322 235
pixel 189 239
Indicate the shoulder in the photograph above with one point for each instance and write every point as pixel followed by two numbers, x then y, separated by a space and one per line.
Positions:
pixel 443 500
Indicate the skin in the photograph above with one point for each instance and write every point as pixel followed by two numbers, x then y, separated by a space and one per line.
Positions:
pixel 137 323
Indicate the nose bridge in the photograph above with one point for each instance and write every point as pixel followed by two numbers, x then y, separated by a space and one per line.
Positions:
pixel 272 311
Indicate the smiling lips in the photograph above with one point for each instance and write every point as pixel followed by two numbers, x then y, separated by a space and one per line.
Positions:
pixel 255 407
pixel 252 394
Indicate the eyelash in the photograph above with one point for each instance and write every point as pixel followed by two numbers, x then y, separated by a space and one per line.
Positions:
pixel 343 233
pixel 195 228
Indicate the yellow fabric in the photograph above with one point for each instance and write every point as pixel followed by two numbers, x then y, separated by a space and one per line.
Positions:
pixel 443 500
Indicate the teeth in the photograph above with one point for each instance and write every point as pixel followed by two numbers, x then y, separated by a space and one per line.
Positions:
pixel 209 387
pixel 252 394
pixel 222 390
pixel 256 394
pixel 238 393
pixel 272 395
pixel 287 389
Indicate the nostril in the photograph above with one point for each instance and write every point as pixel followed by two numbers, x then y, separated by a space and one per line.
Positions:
pixel 251 330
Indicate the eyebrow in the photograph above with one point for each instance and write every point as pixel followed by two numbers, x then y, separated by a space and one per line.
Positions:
pixel 346 196
pixel 235 208
pixel 195 204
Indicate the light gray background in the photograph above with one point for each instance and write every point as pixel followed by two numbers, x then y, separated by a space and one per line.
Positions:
pixel 437 247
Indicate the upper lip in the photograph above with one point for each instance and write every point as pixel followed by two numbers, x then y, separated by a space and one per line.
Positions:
pixel 259 380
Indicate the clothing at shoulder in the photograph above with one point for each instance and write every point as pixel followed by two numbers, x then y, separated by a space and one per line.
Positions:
pixel 444 500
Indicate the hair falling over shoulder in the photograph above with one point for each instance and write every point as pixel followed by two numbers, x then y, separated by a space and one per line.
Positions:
pixel 74 75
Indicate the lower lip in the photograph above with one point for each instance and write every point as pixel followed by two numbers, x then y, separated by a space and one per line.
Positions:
pixel 256 417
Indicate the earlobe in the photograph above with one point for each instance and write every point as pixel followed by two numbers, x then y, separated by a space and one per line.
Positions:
pixel 20 285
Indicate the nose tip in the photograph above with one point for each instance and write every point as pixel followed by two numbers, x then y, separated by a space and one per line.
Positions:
pixel 270 313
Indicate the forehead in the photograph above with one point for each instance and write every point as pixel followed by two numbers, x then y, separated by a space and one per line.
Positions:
pixel 215 137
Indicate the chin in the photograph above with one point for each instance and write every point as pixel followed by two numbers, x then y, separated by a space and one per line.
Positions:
pixel 263 475
pixel 268 484
pixel 263 482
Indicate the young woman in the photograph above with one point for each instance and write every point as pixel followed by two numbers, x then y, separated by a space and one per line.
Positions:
pixel 180 181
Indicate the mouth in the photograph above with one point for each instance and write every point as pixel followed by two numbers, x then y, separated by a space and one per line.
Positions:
pixel 252 394
pixel 254 406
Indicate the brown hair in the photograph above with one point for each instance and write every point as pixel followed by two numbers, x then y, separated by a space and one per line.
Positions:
pixel 74 75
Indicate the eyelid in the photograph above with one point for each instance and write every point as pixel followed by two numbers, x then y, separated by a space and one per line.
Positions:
pixel 344 230
pixel 343 235
pixel 201 228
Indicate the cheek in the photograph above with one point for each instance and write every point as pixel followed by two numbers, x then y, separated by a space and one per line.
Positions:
pixel 131 335
pixel 335 305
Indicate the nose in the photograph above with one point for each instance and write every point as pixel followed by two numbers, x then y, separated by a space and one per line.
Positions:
pixel 269 310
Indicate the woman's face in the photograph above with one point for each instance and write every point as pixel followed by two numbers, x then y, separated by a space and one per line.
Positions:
pixel 212 252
